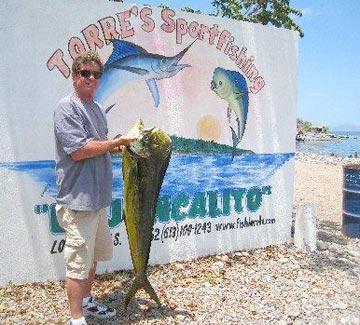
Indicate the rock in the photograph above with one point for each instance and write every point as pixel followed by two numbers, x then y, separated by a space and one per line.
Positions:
pixel 179 266
pixel 333 248
pixel 340 305
pixel 180 317
pixel 217 266
pixel 322 246
pixel 354 253
pixel 283 260
pixel 295 312
pixel 225 259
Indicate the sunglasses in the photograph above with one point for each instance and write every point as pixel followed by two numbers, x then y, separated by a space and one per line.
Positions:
pixel 88 73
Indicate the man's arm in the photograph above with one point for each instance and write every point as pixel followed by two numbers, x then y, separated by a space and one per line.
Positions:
pixel 96 148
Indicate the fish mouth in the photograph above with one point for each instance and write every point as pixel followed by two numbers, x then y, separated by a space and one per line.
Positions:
pixel 136 149
pixel 212 85
pixel 176 66
pixel 134 154
pixel 131 150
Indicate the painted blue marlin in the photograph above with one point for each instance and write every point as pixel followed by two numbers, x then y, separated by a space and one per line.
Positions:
pixel 231 86
pixel 129 62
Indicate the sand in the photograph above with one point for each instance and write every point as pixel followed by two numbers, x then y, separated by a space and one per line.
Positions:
pixel 322 185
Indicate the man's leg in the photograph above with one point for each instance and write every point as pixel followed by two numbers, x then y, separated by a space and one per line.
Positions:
pixel 80 229
pixel 103 251
pixel 75 291
pixel 89 281
pixel 90 306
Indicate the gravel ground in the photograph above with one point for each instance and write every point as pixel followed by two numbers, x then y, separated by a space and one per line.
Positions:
pixel 272 285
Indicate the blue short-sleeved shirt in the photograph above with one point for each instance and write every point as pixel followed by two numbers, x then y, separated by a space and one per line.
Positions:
pixel 87 184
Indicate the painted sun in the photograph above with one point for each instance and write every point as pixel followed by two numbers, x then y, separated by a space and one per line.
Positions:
pixel 208 128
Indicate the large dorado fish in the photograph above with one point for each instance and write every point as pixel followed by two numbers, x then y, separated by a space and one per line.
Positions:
pixel 144 165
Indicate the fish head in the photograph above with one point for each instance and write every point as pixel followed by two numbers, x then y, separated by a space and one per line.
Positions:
pixel 222 83
pixel 150 143
pixel 167 67
pixel 227 84
pixel 173 68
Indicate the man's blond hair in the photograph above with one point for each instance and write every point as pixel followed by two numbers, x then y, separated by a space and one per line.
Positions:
pixel 86 57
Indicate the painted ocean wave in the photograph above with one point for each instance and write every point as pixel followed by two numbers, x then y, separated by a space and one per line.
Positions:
pixel 186 173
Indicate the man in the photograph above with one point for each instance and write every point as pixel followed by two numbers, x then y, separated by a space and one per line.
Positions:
pixel 84 183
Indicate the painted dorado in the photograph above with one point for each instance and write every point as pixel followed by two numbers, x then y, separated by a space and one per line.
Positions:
pixel 144 166
pixel 231 86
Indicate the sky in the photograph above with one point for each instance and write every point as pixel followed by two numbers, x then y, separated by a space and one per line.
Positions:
pixel 329 68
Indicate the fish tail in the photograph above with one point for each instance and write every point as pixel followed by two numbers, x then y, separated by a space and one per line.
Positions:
pixel 141 282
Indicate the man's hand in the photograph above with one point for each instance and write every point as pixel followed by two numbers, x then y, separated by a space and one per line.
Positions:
pixel 125 140
pixel 95 148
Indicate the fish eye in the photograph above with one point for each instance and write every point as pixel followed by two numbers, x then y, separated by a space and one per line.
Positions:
pixel 220 82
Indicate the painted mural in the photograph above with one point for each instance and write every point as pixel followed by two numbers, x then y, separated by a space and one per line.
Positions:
pixel 223 94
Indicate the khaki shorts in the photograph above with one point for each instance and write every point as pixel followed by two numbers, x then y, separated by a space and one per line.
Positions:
pixel 88 240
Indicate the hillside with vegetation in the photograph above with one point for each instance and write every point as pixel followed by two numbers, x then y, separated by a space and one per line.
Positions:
pixel 305 126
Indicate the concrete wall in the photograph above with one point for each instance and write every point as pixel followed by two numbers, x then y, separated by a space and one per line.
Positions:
pixel 209 203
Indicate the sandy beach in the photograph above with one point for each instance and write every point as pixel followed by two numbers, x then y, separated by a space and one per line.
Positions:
pixel 273 285
pixel 319 182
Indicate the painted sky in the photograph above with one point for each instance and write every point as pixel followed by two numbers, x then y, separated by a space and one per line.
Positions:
pixel 329 70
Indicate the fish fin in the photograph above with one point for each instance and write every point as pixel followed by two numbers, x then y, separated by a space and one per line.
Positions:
pixel 150 290
pixel 109 108
pixel 239 95
pixel 229 113
pixel 123 215
pixel 154 91
pixel 138 71
pixel 235 140
pixel 123 49
pixel 240 131
pixel 141 282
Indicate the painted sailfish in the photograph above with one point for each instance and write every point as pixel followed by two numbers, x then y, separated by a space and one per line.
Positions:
pixel 130 62
pixel 144 166
pixel 231 86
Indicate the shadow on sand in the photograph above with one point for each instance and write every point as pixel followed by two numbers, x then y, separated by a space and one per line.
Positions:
pixel 334 254
pixel 141 306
